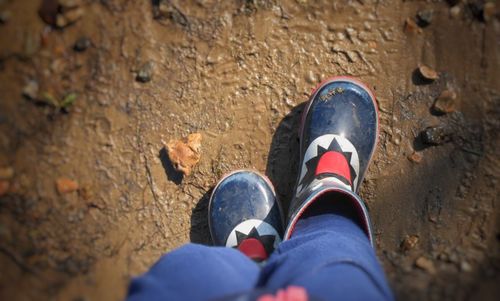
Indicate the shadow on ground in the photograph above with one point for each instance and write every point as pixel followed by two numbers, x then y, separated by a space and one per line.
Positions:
pixel 283 160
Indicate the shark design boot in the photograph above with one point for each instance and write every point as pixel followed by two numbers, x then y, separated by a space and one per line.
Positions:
pixel 338 136
pixel 245 214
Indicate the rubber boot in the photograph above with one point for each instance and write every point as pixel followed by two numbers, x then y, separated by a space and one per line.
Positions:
pixel 245 214
pixel 338 136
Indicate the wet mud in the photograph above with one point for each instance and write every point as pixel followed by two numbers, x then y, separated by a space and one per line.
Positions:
pixel 91 101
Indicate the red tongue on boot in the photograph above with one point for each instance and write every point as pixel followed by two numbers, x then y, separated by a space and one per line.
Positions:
pixel 253 248
pixel 334 163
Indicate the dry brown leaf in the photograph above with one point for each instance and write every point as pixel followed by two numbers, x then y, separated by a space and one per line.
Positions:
pixel 185 154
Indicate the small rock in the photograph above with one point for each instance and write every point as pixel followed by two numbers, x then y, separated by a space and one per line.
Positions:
pixel 435 135
pixel 185 154
pixel 415 157
pixel 489 11
pixel 69 17
pixel 311 78
pixel 30 90
pixel 455 11
pixel 425 264
pixel 411 26
pixel 48 11
pixel 428 73
pixel 409 242
pixel 424 17
pixel 4 187
pixel 445 103
pixel 145 73
pixel 82 44
pixel 4 17
pixel 465 266
pixel 65 185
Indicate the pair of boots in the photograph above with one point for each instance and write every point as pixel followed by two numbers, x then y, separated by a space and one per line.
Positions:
pixel 338 136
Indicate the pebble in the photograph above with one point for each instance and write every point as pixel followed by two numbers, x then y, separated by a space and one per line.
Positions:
pixel 425 264
pixel 455 11
pixel 410 242
pixel 415 157
pixel 82 44
pixel 145 73
pixel 48 11
pixel 65 185
pixel 489 11
pixel 435 136
pixel 424 17
pixel 428 73
pixel 465 266
pixel 6 173
pixel 4 187
pixel 30 90
pixel 445 102
pixel 311 78
pixel 69 17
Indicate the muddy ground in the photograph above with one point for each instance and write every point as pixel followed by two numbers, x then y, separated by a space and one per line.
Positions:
pixel 238 72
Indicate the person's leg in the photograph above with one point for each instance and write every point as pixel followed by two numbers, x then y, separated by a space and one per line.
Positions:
pixel 330 256
pixel 196 272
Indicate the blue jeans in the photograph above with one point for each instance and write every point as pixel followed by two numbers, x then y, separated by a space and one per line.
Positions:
pixel 328 255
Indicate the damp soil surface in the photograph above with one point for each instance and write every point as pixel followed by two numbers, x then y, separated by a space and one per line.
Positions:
pixel 92 91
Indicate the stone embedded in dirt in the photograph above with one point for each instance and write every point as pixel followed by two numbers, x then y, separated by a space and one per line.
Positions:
pixel 455 11
pixel 410 242
pixel 424 17
pixel 48 11
pixel 4 187
pixel 82 44
pixel 145 73
pixel 185 154
pixel 311 77
pixel 65 185
pixel 435 135
pixel 465 266
pixel 489 11
pixel 411 26
pixel 428 73
pixel 6 173
pixel 30 90
pixel 69 17
pixel 445 102
pixel 415 157
pixel 425 264
pixel 60 13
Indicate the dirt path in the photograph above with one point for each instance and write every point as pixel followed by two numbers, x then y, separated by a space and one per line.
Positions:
pixel 237 72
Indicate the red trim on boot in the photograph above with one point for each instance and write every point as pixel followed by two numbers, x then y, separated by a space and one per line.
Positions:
pixel 253 248
pixel 360 210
